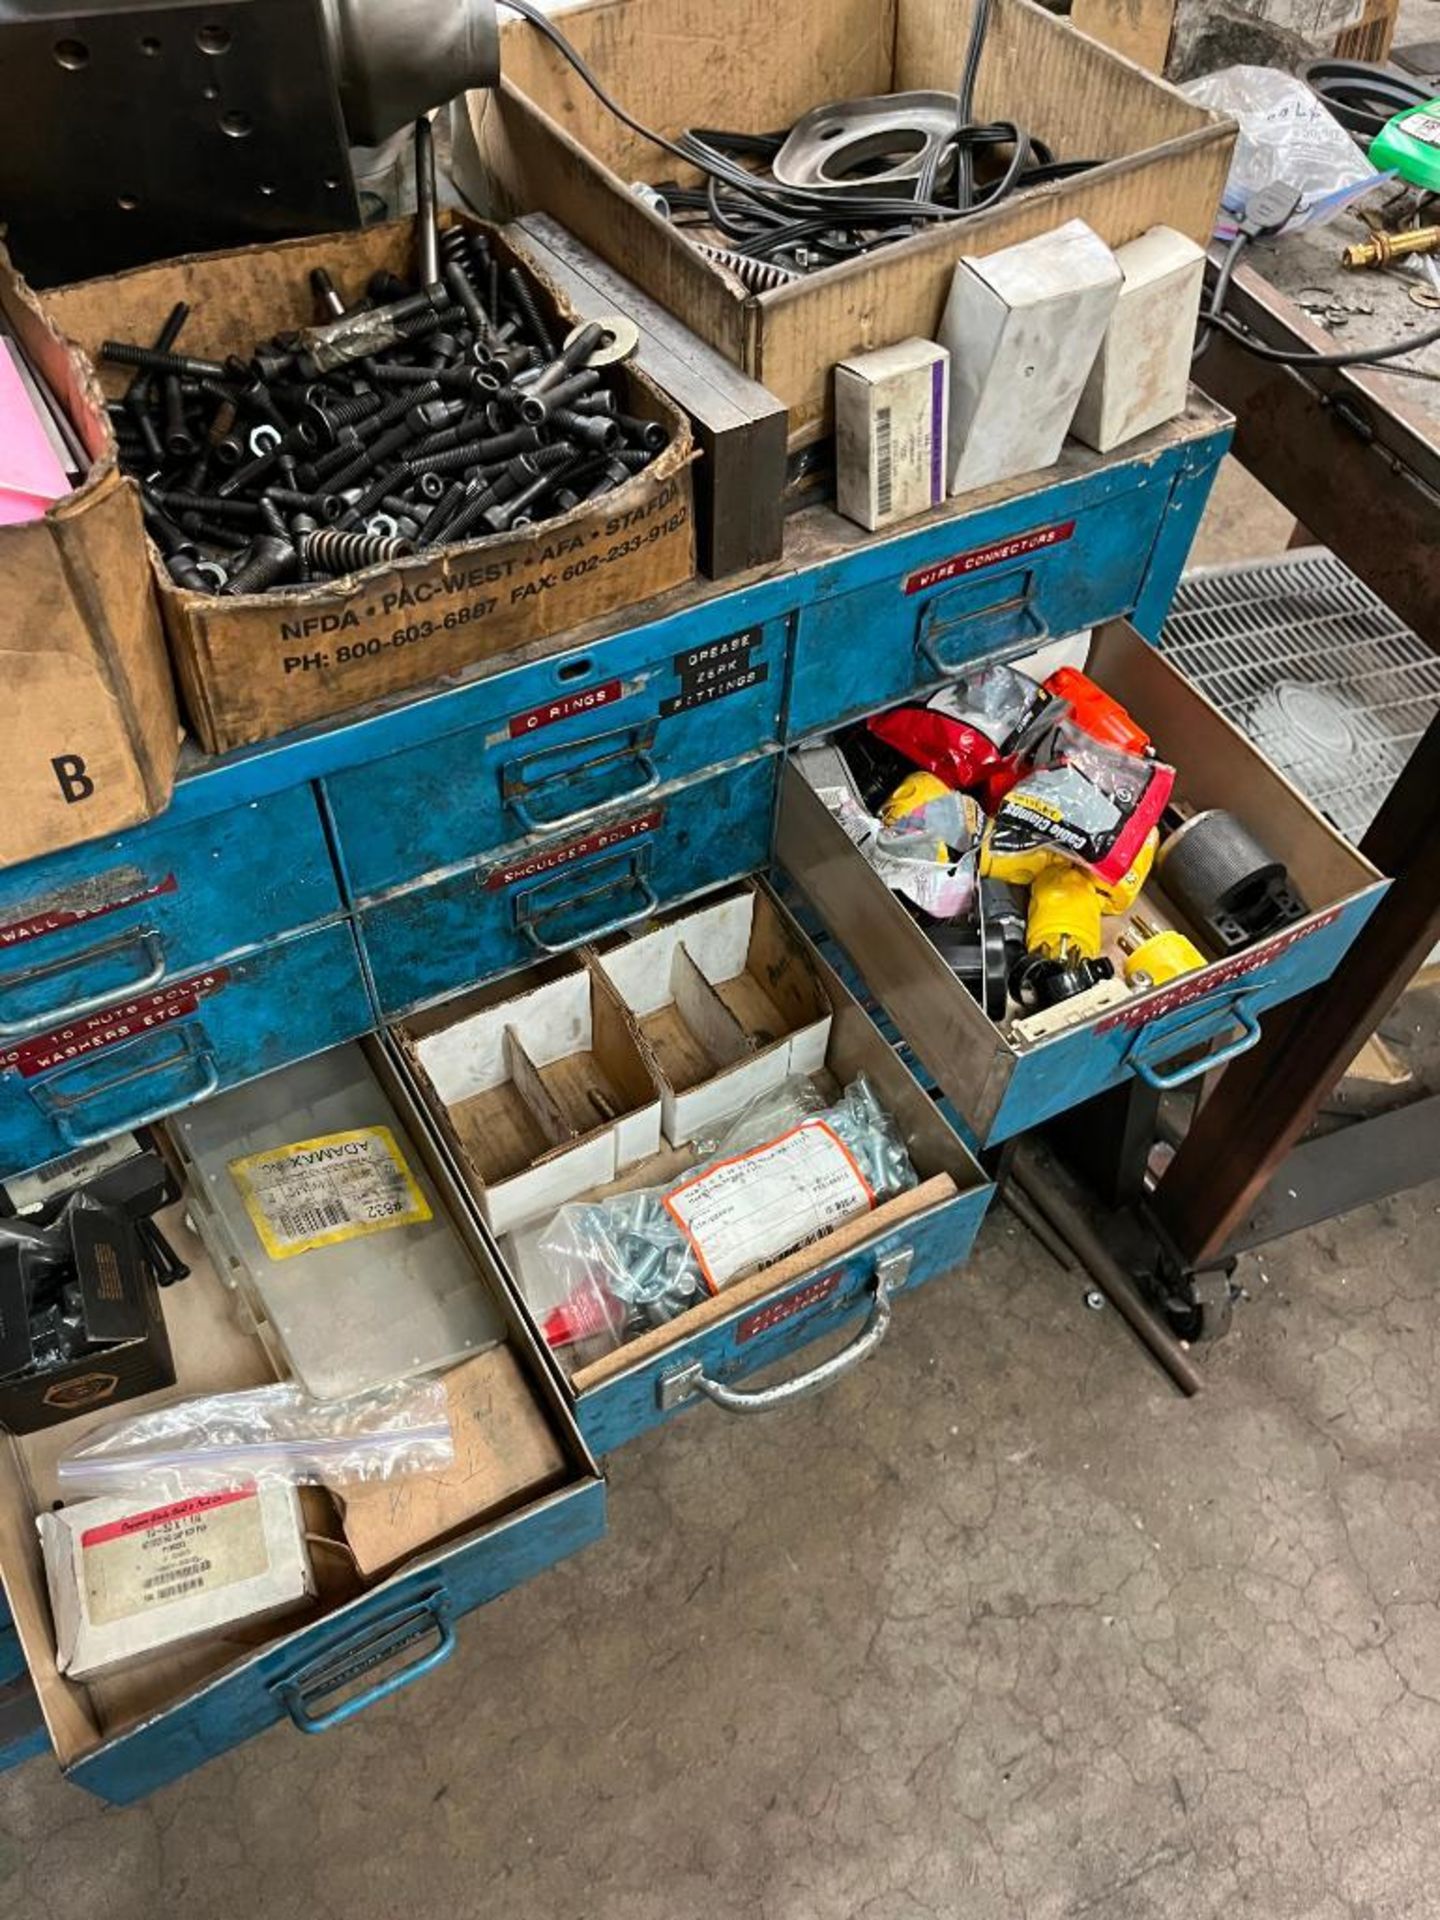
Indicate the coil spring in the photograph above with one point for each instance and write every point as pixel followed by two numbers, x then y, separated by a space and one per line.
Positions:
pixel 331 551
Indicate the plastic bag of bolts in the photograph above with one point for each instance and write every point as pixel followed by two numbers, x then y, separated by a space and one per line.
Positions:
pixel 787 1170
pixel 410 418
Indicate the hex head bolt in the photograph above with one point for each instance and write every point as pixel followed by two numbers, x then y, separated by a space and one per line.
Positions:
pixel 327 296
pixel 515 511
pixel 125 353
pixel 570 359
pixel 522 298
pixel 462 291
pixel 330 551
pixel 270 558
pixel 588 430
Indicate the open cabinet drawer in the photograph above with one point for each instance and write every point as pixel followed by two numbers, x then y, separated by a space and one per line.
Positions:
pixel 1166 1036
pixel 847 1277
pixel 124 1734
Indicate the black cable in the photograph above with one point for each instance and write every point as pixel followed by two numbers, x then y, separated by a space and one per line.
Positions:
pixel 1267 212
pixel 707 151
pixel 1361 96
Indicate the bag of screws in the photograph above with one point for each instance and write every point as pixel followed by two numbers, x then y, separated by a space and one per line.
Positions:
pixel 787 1170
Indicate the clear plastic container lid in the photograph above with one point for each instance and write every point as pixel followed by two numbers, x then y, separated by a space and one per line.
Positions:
pixel 308 1189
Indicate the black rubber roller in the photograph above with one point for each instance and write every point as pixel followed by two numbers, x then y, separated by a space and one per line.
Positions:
pixel 1222 879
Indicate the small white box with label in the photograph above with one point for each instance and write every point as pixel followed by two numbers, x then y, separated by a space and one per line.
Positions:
pixel 128 1576
pixel 892 412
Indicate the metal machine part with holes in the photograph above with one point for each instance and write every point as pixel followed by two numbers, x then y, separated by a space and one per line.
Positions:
pixel 249 108
pixel 1328 683
pixel 881 145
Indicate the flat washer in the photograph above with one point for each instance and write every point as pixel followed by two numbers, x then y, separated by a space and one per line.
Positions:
pixel 622 338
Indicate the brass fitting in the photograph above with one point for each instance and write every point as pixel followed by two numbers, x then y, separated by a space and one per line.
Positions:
pixel 1381 248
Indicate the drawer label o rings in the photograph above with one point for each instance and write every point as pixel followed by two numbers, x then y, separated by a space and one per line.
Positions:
pixel 961 564
pixel 779 1311
pixel 549 858
pixel 1214 979
pixel 109 1027
pixel 73 906
pixel 563 707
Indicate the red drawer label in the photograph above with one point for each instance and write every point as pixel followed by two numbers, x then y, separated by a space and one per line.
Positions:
pixel 959 564
pixel 112 1025
pixel 74 906
pixel 1199 986
pixel 780 1311
pixel 563 707
pixel 548 858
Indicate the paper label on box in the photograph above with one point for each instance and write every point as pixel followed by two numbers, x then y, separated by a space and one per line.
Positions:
pixel 750 1209
pixel 147 1560
pixel 1423 127
pixel 316 1193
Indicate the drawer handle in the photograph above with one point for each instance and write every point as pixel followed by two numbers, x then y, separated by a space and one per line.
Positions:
pixel 1182 1035
pixel 633 877
pixel 194 1050
pixel 373 1645
pixel 622 743
pixel 1029 629
pixel 681 1383
pixel 151 950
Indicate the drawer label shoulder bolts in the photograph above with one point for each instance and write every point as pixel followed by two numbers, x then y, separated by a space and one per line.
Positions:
pixel 316 1193
pixel 745 1211
pixel 196 1545
pixel 534 865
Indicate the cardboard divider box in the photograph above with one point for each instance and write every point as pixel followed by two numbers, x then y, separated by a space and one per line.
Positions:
pixel 261 664
pixel 727 1004
pixel 89 732
pixel 542 141
pixel 542 1092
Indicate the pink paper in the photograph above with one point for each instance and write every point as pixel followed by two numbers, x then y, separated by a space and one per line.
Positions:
pixel 30 475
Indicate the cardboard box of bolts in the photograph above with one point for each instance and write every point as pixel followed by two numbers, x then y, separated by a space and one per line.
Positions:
pixel 260 664
pixel 89 733
pixel 543 142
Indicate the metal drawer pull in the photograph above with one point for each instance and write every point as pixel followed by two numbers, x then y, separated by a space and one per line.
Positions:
pixel 622 743
pixel 633 877
pixel 371 1648
pixel 152 951
pixel 891 1270
pixel 1177 1038
pixel 1030 627
pixel 194 1051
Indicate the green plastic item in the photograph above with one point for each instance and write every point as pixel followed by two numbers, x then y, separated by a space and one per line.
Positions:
pixel 1410 144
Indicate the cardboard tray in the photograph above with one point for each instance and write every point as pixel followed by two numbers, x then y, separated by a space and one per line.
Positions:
pixel 89 733
pixel 542 141
pixel 259 665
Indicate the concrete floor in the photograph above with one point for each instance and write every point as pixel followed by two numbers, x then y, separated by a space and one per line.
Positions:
pixel 999 1629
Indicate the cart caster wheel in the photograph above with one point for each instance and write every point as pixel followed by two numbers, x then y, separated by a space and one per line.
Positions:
pixel 1206 1315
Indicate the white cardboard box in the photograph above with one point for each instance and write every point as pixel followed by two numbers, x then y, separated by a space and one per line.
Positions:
pixel 546 1094
pixel 892 412
pixel 1023 327
pixel 130 1576
pixel 727 1004
pixel 1141 374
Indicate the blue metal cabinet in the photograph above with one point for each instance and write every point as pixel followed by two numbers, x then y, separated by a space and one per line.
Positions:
pixel 99 923
pixel 803 1299
pixel 543 897
pixel 143 1057
pixel 409 1619
pixel 561 743
pixel 1002 1087
pixel 913 610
